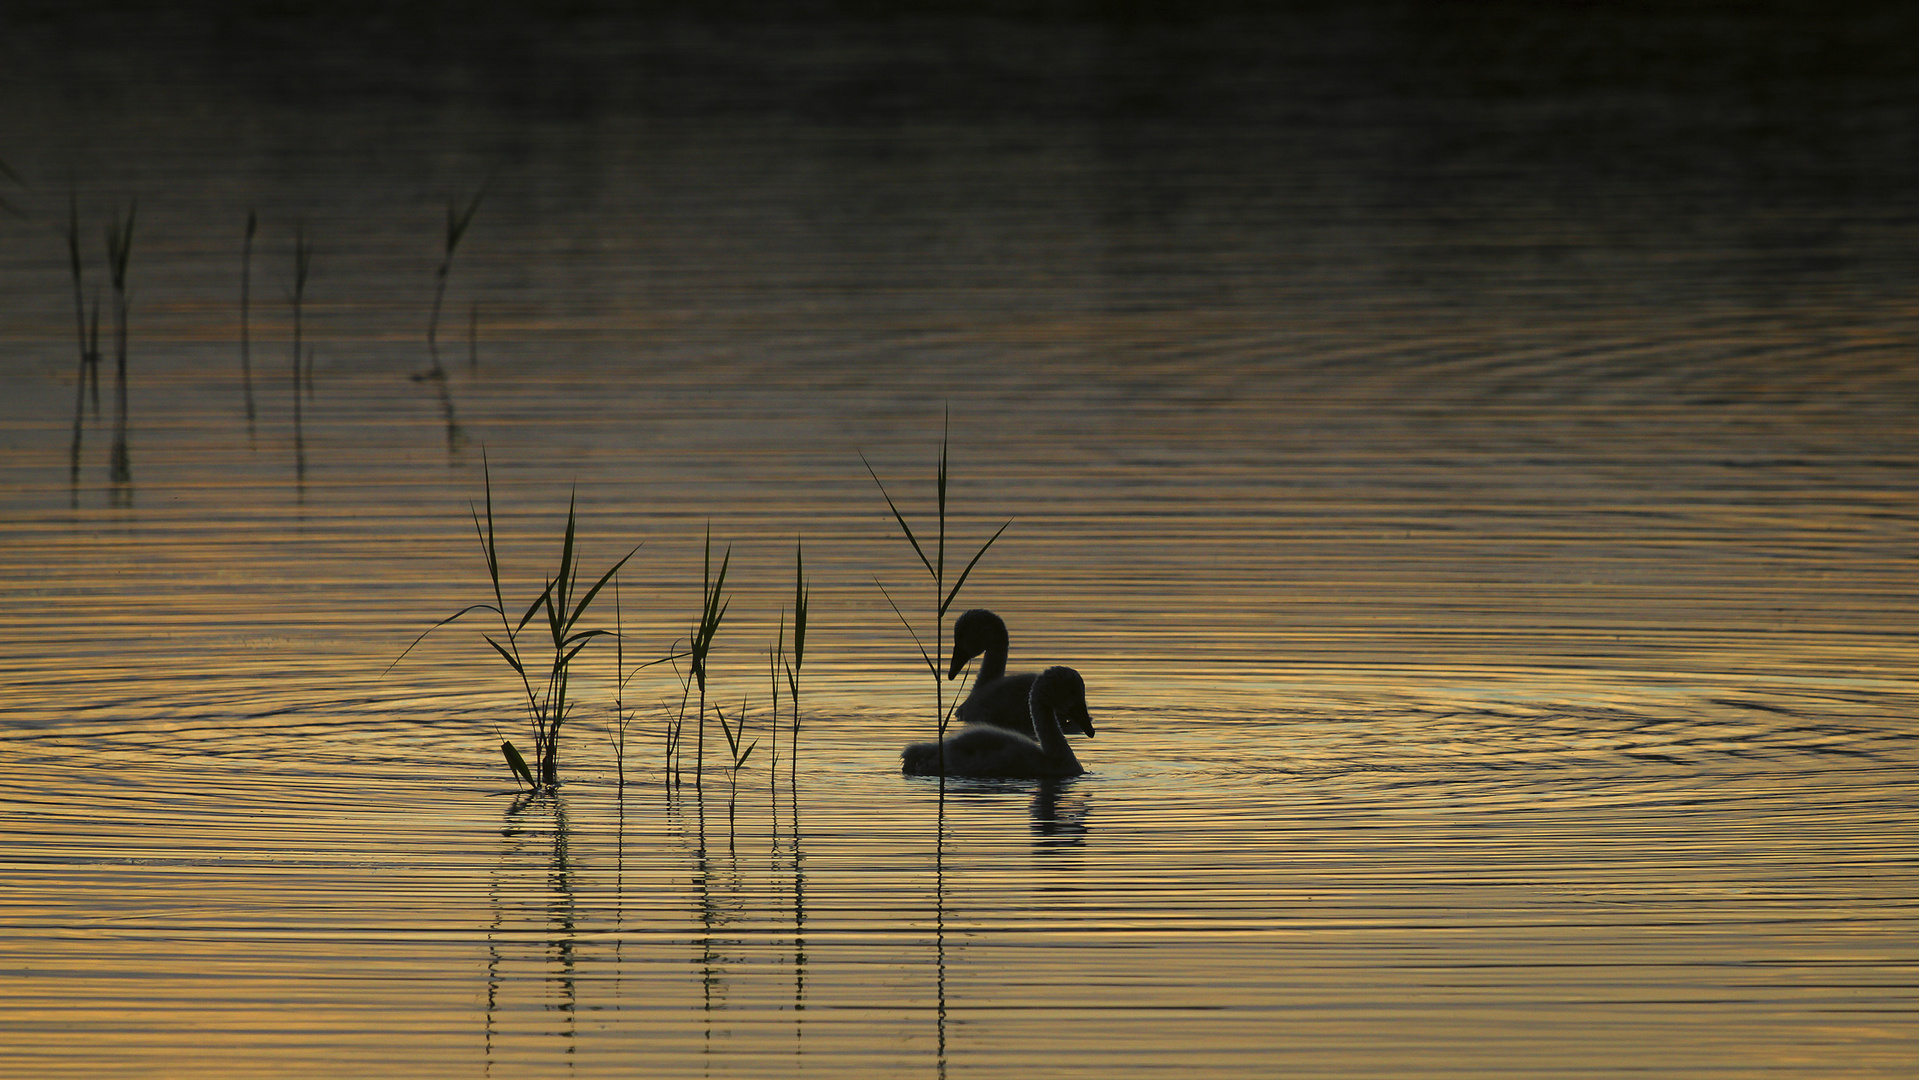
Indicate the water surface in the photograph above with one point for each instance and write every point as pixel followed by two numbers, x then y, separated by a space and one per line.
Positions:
pixel 1470 464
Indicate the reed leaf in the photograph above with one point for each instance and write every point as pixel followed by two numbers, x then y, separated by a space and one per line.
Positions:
pixel 517 763
pixel 512 660
pixel 901 518
pixel 948 602
pixel 436 626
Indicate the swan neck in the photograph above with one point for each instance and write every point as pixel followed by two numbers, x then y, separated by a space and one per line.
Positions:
pixel 992 663
pixel 1051 738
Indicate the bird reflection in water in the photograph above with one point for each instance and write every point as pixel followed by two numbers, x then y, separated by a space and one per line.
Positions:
pixel 1059 816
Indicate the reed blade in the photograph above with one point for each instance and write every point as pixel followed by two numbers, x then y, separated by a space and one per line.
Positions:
pixel 544 598
pixel 901 518
pixel 801 599
pixel 948 603
pixel 580 608
pixel 904 621
pixel 430 629
pixel 517 763
pixel 507 656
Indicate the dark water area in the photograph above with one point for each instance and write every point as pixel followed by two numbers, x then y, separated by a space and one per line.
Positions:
pixel 1468 451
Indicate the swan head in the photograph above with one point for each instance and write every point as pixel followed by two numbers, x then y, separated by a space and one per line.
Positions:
pixel 1062 692
pixel 973 633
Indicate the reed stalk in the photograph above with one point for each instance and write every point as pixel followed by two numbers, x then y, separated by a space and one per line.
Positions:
pixel 620 717
pixel 623 718
pixel 775 656
pixel 676 728
pixel 943 597
pixel 738 750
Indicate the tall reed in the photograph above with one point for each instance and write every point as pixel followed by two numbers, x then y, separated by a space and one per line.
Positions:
pixel 943 597
pixel 620 715
pixel 562 606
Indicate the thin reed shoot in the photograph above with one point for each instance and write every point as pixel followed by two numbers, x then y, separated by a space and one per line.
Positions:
pixel 738 750
pixel 622 716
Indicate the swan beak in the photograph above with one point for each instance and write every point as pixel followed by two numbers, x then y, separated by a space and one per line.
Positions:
pixel 1084 722
pixel 959 661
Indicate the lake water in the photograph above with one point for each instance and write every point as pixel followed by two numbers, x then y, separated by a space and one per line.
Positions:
pixel 1470 462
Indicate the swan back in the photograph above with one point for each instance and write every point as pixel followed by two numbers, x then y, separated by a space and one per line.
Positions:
pixel 979 750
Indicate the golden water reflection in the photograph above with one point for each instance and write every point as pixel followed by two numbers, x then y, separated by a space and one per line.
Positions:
pixel 1487 544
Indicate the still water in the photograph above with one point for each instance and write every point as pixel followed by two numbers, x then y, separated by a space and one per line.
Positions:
pixel 1472 467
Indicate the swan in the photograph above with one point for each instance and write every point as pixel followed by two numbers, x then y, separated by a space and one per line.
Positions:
pixel 997 698
pixel 982 750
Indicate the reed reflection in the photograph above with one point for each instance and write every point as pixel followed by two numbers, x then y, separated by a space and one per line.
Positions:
pixel 558 952
pixel 795 867
pixel 119 238
pixel 718 900
pixel 939 934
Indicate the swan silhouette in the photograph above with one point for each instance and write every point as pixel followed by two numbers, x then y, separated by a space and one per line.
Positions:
pixel 997 698
pixel 982 750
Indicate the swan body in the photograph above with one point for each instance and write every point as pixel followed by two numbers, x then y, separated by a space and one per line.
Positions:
pixel 1058 694
pixel 997 699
